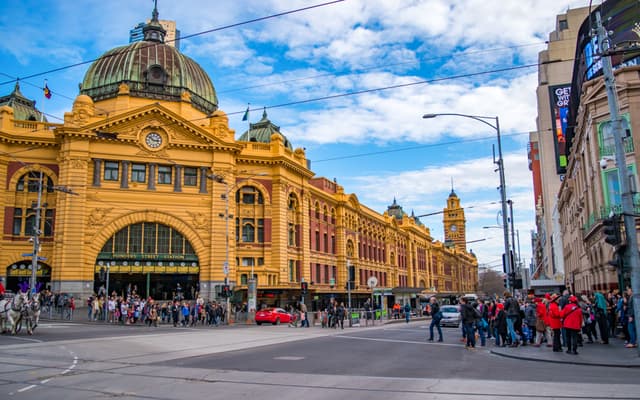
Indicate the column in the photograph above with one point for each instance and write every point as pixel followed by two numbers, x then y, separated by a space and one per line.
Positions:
pixel 124 178
pixel 151 185
pixel 97 168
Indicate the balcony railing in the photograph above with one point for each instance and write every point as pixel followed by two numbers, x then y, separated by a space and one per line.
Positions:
pixel 611 150
pixel 604 212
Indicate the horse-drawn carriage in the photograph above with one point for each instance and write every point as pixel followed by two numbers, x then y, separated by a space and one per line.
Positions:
pixel 18 307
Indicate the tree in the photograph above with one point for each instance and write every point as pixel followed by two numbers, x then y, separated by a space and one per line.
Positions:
pixel 490 283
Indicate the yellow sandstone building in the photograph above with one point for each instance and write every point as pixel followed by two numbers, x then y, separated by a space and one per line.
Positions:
pixel 145 181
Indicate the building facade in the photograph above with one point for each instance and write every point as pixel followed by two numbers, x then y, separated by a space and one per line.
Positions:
pixel 589 192
pixel 547 160
pixel 144 187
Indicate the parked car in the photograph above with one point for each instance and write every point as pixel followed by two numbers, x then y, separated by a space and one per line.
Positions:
pixel 450 316
pixel 273 316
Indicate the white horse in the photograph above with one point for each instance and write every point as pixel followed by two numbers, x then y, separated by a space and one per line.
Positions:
pixel 11 311
pixel 32 315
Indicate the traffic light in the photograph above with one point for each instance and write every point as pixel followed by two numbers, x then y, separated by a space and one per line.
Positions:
pixel 612 234
pixel 304 287
pixel 226 291
pixel 102 275
pixel 512 280
pixel 352 273
pixel 504 261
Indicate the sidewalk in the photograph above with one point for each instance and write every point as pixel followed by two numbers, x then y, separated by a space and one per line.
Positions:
pixel 613 354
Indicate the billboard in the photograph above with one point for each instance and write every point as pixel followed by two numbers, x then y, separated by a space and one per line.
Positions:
pixel 559 102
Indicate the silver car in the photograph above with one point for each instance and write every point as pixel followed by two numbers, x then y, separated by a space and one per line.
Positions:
pixel 450 316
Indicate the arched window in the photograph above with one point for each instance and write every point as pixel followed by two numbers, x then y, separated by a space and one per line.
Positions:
pixel 249 195
pixel 32 180
pixel 248 230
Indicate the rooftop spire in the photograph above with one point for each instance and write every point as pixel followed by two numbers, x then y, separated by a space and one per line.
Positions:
pixel 153 31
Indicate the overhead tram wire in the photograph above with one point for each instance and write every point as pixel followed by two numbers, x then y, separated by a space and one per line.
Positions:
pixel 422 82
pixel 374 67
pixel 259 19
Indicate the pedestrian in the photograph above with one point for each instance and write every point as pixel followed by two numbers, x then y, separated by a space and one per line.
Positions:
pixel 555 322
pixel 303 315
pixel 600 305
pixel 512 309
pixel 631 324
pixel 468 314
pixel 500 326
pixel 436 317
pixel 340 314
pixel 572 323
pixel 407 312
pixel 530 319
pixel 541 317
pixel 396 310
pixel 2 289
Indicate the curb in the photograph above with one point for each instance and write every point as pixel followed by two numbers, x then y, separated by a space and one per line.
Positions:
pixel 576 362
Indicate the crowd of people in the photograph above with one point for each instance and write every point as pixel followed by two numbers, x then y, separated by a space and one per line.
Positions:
pixel 561 321
pixel 134 309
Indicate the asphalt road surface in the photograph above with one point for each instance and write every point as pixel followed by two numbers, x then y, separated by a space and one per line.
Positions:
pixel 95 361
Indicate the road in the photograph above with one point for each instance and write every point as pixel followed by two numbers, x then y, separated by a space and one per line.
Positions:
pixel 81 361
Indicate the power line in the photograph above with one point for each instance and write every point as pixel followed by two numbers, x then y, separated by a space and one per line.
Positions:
pixel 185 37
pixel 421 146
pixel 374 67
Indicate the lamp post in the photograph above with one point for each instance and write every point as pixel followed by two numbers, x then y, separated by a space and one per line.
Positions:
pixel 36 239
pixel 503 188
pixel 251 284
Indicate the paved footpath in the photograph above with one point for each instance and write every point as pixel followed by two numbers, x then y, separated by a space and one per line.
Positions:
pixel 131 367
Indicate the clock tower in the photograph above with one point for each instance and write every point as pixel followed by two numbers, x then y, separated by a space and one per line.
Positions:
pixel 454 223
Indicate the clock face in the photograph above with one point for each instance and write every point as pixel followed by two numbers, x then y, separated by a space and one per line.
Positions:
pixel 453 228
pixel 153 140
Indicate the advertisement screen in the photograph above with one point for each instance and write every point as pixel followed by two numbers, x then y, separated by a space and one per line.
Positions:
pixel 559 100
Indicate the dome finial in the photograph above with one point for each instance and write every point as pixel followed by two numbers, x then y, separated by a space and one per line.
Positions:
pixel 154 14
pixel 264 113
pixel 153 31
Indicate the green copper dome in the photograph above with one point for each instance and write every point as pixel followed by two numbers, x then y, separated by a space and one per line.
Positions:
pixel 23 108
pixel 151 69
pixel 262 130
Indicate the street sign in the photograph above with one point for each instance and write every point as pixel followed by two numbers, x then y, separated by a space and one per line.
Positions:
pixel 31 255
pixel 225 268
pixel 372 281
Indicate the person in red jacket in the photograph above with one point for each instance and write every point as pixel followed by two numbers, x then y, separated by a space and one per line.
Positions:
pixel 2 290
pixel 555 321
pixel 541 322
pixel 572 323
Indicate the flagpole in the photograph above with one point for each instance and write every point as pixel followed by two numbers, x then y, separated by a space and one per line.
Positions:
pixel 246 116
pixel 44 100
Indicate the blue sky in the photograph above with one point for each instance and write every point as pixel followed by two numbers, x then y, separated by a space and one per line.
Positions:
pixel 376 143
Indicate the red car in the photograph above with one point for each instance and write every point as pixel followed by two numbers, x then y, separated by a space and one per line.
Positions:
pixel 273 316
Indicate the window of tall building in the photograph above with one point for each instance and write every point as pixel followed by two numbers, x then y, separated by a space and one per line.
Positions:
pixel 138 173
pixel 111 170
pixel 190 176
pixel 164 174
pixel 248 230
pixel 247 261
pixel 249 195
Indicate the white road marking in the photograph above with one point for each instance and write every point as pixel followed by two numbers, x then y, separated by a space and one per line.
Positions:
pixel 401 341
pixel 24 389
pixel 289 358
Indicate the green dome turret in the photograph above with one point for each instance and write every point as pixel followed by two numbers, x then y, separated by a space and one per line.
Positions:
pixel 262 130
pixel 151 69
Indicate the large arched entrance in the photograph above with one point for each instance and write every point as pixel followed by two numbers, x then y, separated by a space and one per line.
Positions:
pixel 148 259
pixel 20 271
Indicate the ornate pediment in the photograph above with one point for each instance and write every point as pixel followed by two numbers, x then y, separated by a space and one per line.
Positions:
pixel 155 128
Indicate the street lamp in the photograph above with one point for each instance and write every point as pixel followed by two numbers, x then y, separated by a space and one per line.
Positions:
pixel 251 287
pixel 37 231
pixel 503 188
